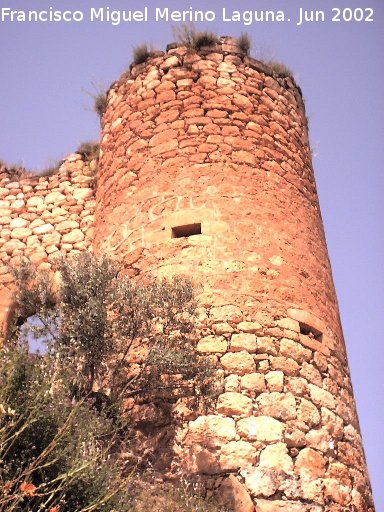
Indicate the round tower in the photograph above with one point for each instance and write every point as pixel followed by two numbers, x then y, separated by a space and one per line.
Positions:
pixel 206 171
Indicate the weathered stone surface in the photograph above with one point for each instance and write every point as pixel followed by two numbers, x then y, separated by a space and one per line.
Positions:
pixel 237 454
pixel 333 423
pixel 212 344
pixel 261 481
pixel 260 428
pixel 43 230
pixel 233 495
pixel 224 148
pixel 18 223
pixel 275 456
pixel 66 225
pixel 310 463
pixel 234 404
pixel 251 327
pixel 308 413
pixel 275 381
pixel 335 491
pixel 288 323
pixel 320 439
pixel 82 193
pixel 289 348
pixel 55 197
pixel 294 438
pixel 73 237
pixel 253 382
pixel 278 405
pixel 286 365
pixel 297 386
pixel 211 431
pixel 238 362
pixel 243 341
pixel 321 397
pixel 232 383
pixel 21 233
pixel 281 506
pixel 226 314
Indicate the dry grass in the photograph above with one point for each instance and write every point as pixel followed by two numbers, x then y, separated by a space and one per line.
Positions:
pixel 244 43
pixel 195 40
pixel 279 68
pixel 141 53
pixel 100 103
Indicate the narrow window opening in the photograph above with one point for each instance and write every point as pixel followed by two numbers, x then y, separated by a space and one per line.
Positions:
pixel 186 230
pixel 310 331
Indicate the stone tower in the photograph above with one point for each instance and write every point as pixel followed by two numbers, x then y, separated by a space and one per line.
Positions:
pixel 206 171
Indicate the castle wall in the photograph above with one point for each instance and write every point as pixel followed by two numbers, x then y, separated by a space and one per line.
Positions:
pixel 42 217
pixel 215 147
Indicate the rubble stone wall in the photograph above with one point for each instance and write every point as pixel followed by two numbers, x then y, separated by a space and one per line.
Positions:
pixel 206 171
pixel 42 217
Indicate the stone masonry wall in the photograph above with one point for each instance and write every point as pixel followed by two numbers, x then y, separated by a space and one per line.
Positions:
pixel 41 217
pixel 206 171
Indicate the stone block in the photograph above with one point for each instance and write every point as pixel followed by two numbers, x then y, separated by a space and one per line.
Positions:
pixel 275 381
pixel 238 362
pixel 321 397
pixel 281 406
pixel 251 327
pixel 289 348
pixel 254 382
pixel 308 413
pixel 243 341
pixel 237 454
pixel 211 431
pixel 310 464
pixel 234 496
pixel 260 428
pixel 261 481
pixel 212 344
pixel 236 404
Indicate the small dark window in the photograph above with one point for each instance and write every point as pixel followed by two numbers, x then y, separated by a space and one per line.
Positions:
pixel 310 331
pixel 187 230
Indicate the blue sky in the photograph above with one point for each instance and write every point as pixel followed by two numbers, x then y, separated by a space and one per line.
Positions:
pixel 50 71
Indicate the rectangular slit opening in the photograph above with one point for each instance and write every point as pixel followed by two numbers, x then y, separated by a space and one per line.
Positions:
pixel 312 332
pixel 186 230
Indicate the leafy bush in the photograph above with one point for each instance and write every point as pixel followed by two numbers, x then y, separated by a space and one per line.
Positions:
pixel 244 43
pixel 115 333
pixel 62 419
pixel 55 453
pixel 140 53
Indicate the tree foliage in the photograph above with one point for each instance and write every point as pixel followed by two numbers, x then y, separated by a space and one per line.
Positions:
pixel 107 338
pixel 116 334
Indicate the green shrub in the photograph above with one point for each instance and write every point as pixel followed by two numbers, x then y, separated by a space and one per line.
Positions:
pixel 55 453
pixel 140 53
pixel 244 43
pixel 99 321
